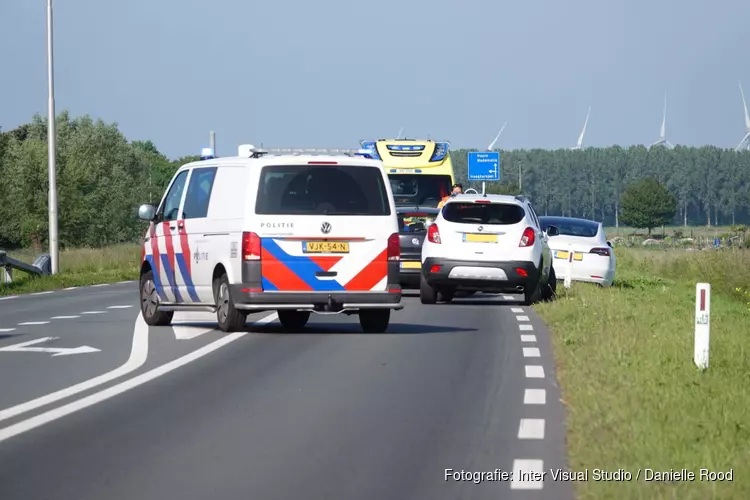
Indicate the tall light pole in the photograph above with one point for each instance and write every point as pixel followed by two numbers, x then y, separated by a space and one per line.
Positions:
pixel 52 200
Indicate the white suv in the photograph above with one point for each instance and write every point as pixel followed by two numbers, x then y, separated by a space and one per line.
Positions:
pixel 490 243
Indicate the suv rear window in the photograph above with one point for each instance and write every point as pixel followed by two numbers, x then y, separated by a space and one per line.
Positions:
pixel 324 190
pixel 483 213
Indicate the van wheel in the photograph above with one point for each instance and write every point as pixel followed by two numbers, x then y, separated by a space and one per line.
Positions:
pixel 150 303
pixel 549 291
pixel 230 319
pixel 427 293
pixel 293 321
pixel 374 320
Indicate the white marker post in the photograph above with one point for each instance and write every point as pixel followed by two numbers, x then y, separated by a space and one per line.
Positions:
pixel 702 324
pixel 569 272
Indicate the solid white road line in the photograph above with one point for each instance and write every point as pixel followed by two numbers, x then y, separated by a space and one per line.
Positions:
pixel 531 428
pixel 138 355
pixel 94 312
pixel 127 281
pixel 3 330
pixel 528 338
pixel 42 293
pixel 535 397
pixel 33 323
pixel 64 317
pixel 525 328
pixel 516 309
pixel 120 307
pixel 100 284
pixel 531 352
pixel 9 297
pixel 522 318
pixel 70 288
pixel 527 474
pixel 534 371
pixel 97 397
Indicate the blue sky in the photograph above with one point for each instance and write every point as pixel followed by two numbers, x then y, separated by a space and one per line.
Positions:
pixel 329 73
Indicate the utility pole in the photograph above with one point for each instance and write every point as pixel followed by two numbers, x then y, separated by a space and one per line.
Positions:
pixel 520 178
pixel 52 149
pixel 212 141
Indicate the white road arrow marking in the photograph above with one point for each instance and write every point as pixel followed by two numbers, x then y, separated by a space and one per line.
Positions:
pixel 188 324
pixel 57 351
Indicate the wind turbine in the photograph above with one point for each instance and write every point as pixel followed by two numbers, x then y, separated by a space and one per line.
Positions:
pixel 662 135
pixel 492 144
pixel 745 142
pixel 579 145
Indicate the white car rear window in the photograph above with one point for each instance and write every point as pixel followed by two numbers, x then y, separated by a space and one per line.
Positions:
pixel 483 213
pixel 323 190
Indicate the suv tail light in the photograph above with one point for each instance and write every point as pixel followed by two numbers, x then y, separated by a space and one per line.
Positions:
pixel 528 238
pixel 433 234
pixel 250 246
pixel 394 247
pixel 604 252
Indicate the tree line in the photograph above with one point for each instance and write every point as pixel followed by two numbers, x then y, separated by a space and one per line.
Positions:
pixel 102 178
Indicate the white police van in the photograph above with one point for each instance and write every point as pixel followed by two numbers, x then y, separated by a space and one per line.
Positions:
pixel 297 233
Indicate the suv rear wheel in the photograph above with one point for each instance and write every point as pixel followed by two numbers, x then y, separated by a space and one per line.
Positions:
pixel 374 320
pixel 550 289
pixel 427 293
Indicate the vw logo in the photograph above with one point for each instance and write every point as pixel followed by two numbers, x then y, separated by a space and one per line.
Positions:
pixel 480 229
pixel 325 228
pixel 415 242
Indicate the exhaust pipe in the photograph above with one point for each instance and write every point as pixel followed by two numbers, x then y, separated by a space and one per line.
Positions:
pixel 520 288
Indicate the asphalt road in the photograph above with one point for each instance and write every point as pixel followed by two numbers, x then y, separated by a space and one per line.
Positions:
pixel 191 413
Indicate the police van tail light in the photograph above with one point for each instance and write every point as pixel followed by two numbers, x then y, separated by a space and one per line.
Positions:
pixel 250 246
pixel 528 238
pixel 394 247
pixel 433 234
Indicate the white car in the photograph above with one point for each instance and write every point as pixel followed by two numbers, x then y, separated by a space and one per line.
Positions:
pixel 291 233
pixel 581 247
pixel 488 243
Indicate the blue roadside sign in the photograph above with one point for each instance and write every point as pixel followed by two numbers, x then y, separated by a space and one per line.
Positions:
pixel 484 166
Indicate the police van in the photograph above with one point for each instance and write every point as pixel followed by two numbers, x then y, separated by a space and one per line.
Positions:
pixel 294 231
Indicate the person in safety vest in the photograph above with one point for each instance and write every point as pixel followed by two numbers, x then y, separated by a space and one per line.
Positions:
pixel 457 189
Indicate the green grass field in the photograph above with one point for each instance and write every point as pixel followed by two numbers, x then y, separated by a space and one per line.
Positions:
pixel 78 267
pixel 634 398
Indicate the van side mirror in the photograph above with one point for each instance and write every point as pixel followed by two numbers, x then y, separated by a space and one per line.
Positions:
pixel 146 212
pixel 553 231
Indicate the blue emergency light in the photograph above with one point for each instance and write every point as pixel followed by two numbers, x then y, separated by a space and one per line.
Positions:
pixel 207 154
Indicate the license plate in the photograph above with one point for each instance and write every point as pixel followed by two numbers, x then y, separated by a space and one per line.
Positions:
pixel 480 238
pixel 411 265
pixel 325 246
pixel 559 254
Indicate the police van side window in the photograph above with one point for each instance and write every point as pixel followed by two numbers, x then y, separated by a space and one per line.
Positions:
pixel 199 193
pixel 171 206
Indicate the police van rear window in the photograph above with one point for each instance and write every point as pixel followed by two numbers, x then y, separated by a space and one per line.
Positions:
pixel 483 213
pixel 322 190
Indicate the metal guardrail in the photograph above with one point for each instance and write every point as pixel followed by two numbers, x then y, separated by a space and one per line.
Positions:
pixel 42 266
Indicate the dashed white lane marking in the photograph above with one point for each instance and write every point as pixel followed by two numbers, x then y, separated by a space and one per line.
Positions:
pixel 120 307
pixel 535 397
pixel 70 288
pixel 103 395
pixel 508 297
pixel 534 371
pixel 43 293
pixel 525 328
pixel 516 309
pixel 528 338
pixel 531 428
pixel 64 317
pixel 33 323
pixel 522 318
pixel 5 330
pixel 527 474
pixel 100 284
pixel 531 352
pixel 9 297
pixel 93 312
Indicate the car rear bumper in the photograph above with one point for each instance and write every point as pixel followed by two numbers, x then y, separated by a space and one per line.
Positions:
pixel 408 277
pixel 478 275
pixel 245 300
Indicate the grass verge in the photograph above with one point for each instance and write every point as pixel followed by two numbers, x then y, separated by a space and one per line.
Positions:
pixel 78 267
pixel 635 400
